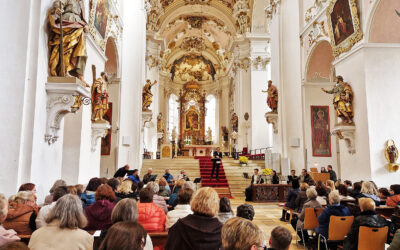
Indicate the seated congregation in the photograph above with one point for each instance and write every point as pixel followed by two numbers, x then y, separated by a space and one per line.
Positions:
pixel 342 214
pixel 119 213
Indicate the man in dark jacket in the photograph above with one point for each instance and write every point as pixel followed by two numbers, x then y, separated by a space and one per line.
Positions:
pixel 216 163
pixel 305 177
pixel 367 218
pixel 121 172
pixel 255 179
pixel 332 174
pixel 292 176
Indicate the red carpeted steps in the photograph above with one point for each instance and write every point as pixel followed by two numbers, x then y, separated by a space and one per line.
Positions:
pixel 221 186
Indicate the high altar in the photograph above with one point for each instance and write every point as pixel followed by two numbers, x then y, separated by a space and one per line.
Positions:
pixel 192 112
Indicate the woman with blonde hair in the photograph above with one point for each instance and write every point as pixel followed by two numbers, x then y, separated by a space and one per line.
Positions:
pixel 64 227
pixel 200 230
pixel 165 190
pixel 6 236
pixel 125 190
pixel 330 185
pixel 367 218
pixel 22 212
pixel 368 190
pixel 241 234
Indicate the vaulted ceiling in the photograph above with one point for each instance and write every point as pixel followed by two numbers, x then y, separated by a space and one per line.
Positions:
pixel 197 29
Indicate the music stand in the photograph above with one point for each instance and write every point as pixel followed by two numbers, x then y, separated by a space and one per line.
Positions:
pixel 153 177
pixel 197 180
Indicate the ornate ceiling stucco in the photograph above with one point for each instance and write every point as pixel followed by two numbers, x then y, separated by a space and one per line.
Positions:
pixel 206 28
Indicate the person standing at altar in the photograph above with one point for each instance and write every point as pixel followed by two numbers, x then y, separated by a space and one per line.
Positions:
pixel 292 176
pixel 168 177
pixel 255 179
pixel 216 163
pixel 135 176
pixel 121 172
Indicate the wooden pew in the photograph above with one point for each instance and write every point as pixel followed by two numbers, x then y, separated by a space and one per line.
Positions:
pixel 24 238
pixel 159 238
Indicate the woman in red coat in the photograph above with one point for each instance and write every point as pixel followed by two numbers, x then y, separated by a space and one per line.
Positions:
pixel 99 214
pixel 151 216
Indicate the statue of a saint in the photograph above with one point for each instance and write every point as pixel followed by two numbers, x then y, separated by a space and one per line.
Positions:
pixel 160 123
pixel 99 98
pixel 209 134
pixel 235 122
pixel 173 134
pixel 70 32
pixel 391 152
pixel 342 100
pixel 147 95
pixel 272 99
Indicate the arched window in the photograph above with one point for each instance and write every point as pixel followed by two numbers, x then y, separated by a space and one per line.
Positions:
pixel 211 105
pixel 173 114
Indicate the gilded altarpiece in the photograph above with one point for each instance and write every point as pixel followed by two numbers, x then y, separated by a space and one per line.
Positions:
pixel 192 114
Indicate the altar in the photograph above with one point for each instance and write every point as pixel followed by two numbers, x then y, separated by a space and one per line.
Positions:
pixel 200 150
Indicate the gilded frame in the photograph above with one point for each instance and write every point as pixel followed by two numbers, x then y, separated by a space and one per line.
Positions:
pixel 192 110
pixel 94 32
pixel 350 41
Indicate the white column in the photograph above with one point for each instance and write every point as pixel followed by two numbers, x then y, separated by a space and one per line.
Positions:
pixel 133 61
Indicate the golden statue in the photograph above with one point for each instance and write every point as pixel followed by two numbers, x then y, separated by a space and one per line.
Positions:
pixel 392 154
pixel 70 32
pixel 100 98
pixel 272 99
pixel 342 100
pixel 147 95
pixel 160 123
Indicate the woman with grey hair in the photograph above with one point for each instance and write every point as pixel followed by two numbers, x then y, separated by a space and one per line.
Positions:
pixel 63 229
pixel 125 210
pixel 158 200
pixel 299 222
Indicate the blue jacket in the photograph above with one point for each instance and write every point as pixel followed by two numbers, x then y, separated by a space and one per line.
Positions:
pixel 325 216
pixel 291 198
pixel 168 177
pixel 87 199
pixel 173 196
pixel 134 178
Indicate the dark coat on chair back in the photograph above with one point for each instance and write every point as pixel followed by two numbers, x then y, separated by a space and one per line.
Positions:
pixel 195 232
pixel 291 198
pixel 325 217
pixel 366 219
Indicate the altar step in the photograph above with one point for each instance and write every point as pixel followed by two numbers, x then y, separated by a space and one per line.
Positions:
pixel 190 165
pixel 234 174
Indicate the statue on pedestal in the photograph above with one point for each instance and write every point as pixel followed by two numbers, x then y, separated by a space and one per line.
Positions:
pixel 67 27
pixel 147 95
pixel 235 122
pixel 272 99
pixel 173 134
pixel 209 134
pixel 342 100
pixel 160 123
pixel 100 98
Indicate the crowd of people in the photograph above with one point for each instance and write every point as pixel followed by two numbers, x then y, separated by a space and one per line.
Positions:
pixel 306 193
pixel 125 212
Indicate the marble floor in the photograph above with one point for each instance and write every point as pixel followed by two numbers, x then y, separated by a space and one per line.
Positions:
pixel 267 217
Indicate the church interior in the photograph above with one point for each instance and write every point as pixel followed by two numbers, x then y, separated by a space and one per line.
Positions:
pixel 268 104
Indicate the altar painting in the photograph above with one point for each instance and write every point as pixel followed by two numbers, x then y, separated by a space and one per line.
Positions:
pixel 192 120
pixel 320 128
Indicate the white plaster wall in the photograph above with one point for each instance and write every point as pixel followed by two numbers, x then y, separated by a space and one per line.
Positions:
pixel 314 96
pixel 133 53
pixel 382 77
pixel 356 166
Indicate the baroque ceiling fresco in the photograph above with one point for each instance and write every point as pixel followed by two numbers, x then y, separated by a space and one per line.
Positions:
pixel 198 36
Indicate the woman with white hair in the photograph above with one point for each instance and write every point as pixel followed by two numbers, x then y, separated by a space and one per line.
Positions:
pixel 333 209
pixel 6 236
pixel 368 190
pixel 158 200
pixel 310 203
pixel 64 227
